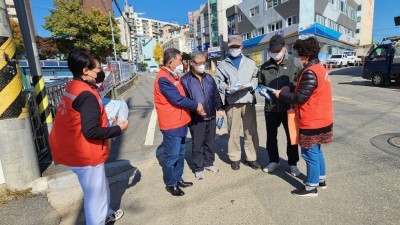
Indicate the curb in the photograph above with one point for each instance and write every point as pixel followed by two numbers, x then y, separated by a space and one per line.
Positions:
pixel 63 189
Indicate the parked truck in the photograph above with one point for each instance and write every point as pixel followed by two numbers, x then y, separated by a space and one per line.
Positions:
pixel 382 65
pixel 353 59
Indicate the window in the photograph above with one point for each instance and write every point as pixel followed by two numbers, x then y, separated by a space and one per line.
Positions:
pixel 357 31
pixel 257 32
pixel 341 29
pixel 358 18
pixel 274 26
pixel 342 6
pixel 261 31
pixel 271 3
pixel 291 20
pixel 320 19
pixel 359 8
pixel 245 36
pixel 240 18
pixel 282 1
pixel 254 11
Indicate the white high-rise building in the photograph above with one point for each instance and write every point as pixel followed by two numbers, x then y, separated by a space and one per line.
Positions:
pixel 139 32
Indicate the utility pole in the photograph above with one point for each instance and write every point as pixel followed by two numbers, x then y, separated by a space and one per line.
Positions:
pixel 18 158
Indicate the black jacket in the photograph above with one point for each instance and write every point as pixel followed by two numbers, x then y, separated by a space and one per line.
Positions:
pixel 307 85
pixel 277 76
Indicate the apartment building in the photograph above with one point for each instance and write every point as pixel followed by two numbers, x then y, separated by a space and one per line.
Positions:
pixel 332 22
pixel 12 13
pixel 210 28
pixel 177 37
pixel 140 34
pixel 365 18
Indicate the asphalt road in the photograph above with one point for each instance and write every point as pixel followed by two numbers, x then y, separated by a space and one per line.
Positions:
pixel 363 176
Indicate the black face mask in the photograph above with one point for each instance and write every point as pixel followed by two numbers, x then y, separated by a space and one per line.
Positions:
pixel 100 77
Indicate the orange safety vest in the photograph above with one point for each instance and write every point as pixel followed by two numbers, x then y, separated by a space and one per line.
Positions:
pixel 169 116
pixel 317 111
pixel 68 145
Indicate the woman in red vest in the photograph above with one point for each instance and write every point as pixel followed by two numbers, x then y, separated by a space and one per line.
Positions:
pixel 80 133
pixel 312 99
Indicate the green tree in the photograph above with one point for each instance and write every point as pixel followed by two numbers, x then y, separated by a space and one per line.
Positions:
pixel 72 26
pixel 158 53
pixel 17 37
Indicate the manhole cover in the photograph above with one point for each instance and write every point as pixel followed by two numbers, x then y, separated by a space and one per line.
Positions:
pixel 389 143
pixel 395 141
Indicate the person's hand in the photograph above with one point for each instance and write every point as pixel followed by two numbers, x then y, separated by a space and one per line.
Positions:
pixel 285 89
pixel 264 90
pixel 220 113
pixel 113 119
pixel 200 110
pixel 123 125
pixel 276 93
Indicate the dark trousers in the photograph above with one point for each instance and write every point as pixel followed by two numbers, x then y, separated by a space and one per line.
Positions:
pixel 273 120
pixel 171 154
pixel 203 144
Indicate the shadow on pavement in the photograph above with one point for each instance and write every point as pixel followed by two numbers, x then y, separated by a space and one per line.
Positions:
pixel 355 71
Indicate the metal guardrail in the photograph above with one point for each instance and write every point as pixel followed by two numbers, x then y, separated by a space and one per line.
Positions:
pixel 54 91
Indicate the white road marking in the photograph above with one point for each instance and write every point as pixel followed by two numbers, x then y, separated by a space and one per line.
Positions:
pixel 151 128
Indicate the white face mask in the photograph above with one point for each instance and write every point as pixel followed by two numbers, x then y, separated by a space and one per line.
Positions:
pixel 179 69
pixel 235 52
pixel 200 69
pixel 277 56
pixel 297 62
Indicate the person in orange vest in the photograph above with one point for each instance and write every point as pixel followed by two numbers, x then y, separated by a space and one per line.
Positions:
pixel 312 99
pixel 173 113
pixel 80 133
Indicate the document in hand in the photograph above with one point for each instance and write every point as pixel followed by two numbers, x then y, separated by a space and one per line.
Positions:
pixel 239 87
pixel 262 93
pixel 115 108
pixel 220 121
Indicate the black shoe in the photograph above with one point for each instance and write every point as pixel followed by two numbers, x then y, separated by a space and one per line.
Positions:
pixel 305 193
pixel 253 164
pixel 184 184
pixel 175 190
pixel 235 165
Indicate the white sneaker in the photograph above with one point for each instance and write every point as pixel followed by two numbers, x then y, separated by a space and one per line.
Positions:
pixel 199 175
pixel 114 216
pixel 213 169
pixel 271 167
pixel 294 171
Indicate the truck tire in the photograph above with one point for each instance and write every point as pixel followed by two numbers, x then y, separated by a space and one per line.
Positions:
pixel 340 65
pixel 377 79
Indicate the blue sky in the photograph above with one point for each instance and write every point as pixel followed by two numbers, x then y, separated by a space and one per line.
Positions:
pixel 176 11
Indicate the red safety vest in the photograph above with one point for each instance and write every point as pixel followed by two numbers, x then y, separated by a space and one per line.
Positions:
pixel 68 145
pixel 317 111
pixel 169 116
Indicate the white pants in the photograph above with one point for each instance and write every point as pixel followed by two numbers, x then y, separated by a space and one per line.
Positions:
pixel 96 193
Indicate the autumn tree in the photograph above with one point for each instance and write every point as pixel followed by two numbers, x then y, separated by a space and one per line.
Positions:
pixel 17 37
pixel 72 26
pixel 47 45
pixel 158 53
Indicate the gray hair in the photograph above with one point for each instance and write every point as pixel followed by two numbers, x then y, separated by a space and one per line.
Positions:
pixel 197 54
pixel 170 54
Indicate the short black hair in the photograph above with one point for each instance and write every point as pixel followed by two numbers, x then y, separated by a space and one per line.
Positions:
pixel 308 48
pixel 80 58
pixel 170 54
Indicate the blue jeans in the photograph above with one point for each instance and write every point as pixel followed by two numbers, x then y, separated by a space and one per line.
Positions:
pixel 171 155
pixel 315 164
